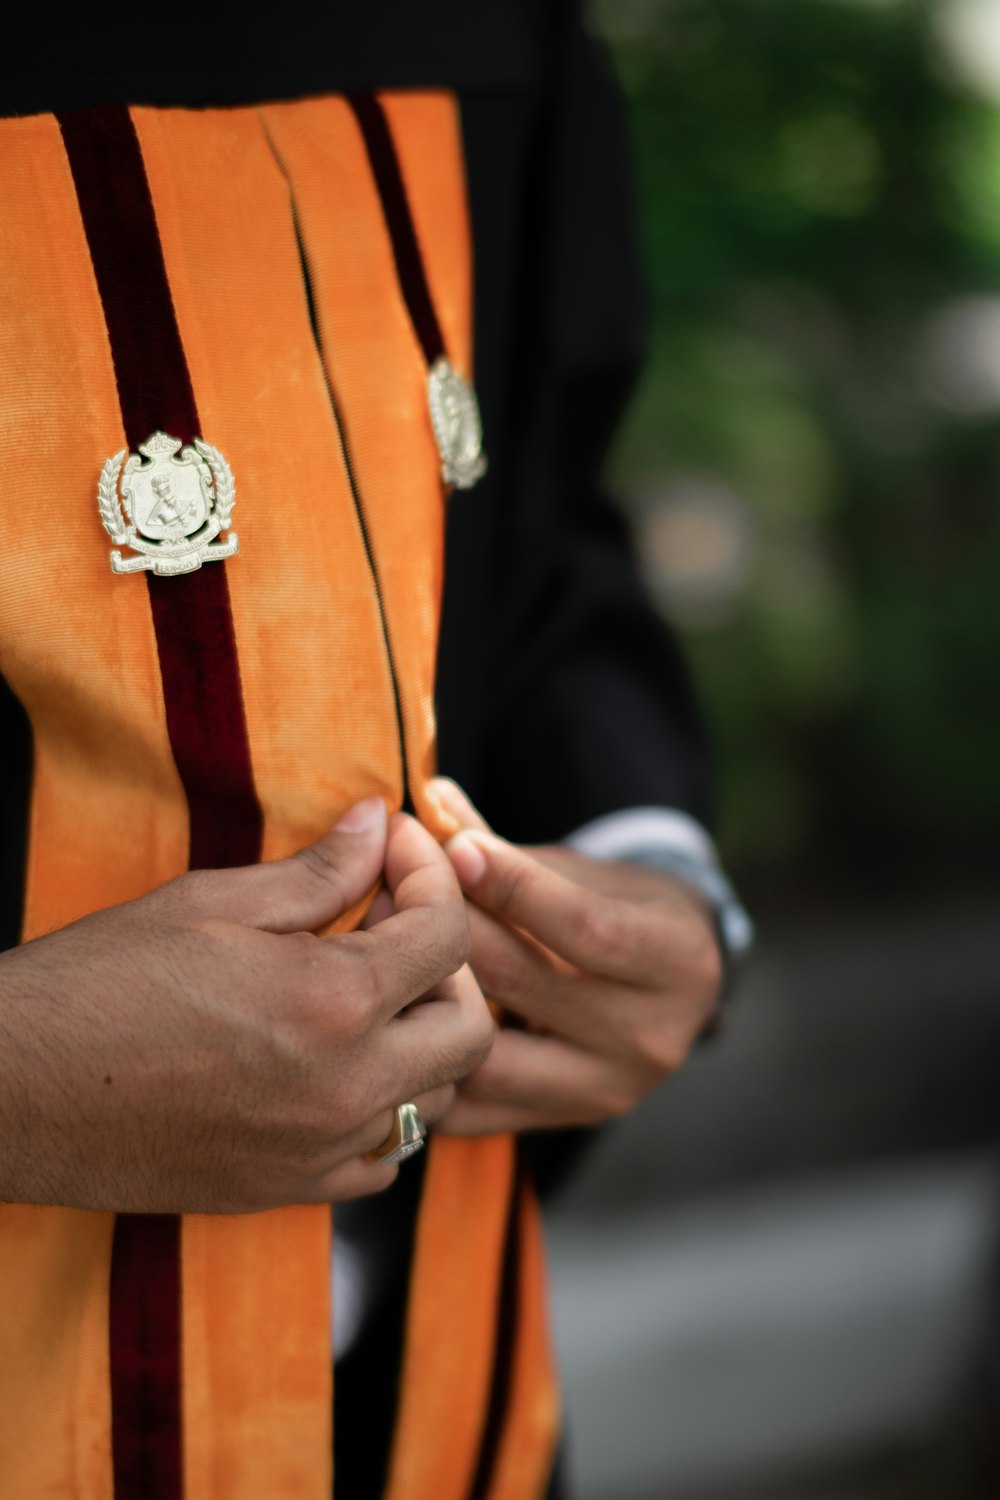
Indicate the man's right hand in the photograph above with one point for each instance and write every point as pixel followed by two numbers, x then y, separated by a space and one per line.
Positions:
pixel 200 1050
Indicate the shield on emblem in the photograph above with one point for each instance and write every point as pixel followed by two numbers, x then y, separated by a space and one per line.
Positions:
pixel 168 500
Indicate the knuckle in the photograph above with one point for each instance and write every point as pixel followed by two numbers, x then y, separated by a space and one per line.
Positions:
pixel 316 865
pixel 661 1051
pixel 619 1098
pixel 512 888
pixel 353 988
pixel 456 941
pixel 191 891
pixel 480 1033
pixel 436 1102
pixel 600 928
pixel 470 1042
pixel 506 972
pixel 706 964
pixel 611 1101
pixel 358 998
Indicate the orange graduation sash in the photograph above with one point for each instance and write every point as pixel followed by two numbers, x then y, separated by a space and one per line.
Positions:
pixel 152 278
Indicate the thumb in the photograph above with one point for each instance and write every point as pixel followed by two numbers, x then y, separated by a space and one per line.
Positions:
pixel 312 887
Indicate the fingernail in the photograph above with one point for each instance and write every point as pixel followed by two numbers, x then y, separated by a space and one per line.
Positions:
pixel 362 817
pixel 467 857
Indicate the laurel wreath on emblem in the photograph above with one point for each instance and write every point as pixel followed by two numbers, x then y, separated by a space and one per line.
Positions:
pixel 107 499
pixel 222 481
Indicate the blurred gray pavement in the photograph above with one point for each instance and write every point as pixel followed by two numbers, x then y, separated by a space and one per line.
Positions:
pixel 776 1279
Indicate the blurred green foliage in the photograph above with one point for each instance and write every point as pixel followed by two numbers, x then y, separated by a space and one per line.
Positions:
pixel 816 186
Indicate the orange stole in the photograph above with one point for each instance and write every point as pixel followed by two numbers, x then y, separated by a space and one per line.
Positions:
pixel 108 817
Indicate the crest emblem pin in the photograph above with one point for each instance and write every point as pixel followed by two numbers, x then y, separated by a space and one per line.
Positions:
pixel 457 425
pixel 169 504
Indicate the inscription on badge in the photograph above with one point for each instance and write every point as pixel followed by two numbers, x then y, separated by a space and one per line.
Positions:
pixel 169 504
pixel 457 425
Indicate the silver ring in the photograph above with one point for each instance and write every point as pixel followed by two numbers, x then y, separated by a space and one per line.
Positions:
pixel 406 1136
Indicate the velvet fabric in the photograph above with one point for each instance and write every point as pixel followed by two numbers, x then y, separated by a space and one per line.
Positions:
pixel 395 205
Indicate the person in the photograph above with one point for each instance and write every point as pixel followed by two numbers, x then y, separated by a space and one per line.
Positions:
pixel 248 928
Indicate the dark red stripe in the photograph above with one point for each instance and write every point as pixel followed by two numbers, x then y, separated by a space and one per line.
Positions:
pixel 205 715
pixel 208 735
pixel 396 207
pixel 145 1346
pixel 153 381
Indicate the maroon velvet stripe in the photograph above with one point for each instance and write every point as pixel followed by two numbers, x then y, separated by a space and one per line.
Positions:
pixel 153 381
pixel 396 207
pixel 145 1348
pixel 205 716
pixel 208 736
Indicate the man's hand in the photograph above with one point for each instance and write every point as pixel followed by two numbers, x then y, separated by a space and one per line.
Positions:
pixel 613 969
pixel 200 1050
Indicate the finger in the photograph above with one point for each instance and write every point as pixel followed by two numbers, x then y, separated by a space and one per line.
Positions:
pixel 431 1045
pixel 356 1178
pixel 434 1103
pixel 596 933
pixel 621 878
pixel 350 1173
pixel 431 1104
pixel 519 973
pixel 306 891
pixel 611 876
pixel 454 800
pixel 381 908
pixel 621 1022
pixel 469 1116
pixel 427 937
pixel 550 1075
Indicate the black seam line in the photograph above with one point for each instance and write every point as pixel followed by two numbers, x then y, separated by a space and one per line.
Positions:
pixel 359 509
pixel 505 1340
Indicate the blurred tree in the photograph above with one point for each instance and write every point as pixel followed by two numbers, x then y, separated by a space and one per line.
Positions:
pixel 814 456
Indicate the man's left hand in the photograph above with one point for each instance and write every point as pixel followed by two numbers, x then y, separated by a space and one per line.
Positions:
pixel 612 969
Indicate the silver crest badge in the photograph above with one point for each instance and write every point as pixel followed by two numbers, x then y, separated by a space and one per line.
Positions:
pixel 168 505
pixel 457 425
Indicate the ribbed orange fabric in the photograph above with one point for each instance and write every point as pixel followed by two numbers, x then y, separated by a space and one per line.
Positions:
pixel 448 1356
pixel 533 1408
pixel 315 678
pixel 378 372
pixel 108 816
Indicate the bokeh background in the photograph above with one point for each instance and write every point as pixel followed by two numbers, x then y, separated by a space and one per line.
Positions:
pixel 781 1279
